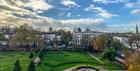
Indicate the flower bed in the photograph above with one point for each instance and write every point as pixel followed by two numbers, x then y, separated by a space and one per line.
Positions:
pixel 84 67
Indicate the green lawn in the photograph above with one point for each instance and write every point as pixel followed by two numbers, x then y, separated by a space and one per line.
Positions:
pixel 53 61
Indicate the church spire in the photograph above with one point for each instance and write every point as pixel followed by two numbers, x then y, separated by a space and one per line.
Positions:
pixel 137 31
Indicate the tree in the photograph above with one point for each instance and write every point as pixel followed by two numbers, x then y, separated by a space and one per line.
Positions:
pixel 99 42
pixel 50 29
pixel 116 44
pixel 25 35
pixel 37 51
pixel 17 66
pixel 55 43
pixel 79 30
pixel 31 55
pixel 87 30
pixel 31 66
pixel 110 54
pixel 66 36
pixel 41 54
pixel 2 38
pixel 132 61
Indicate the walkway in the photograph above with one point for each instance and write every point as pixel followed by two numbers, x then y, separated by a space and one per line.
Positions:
pixel 95 58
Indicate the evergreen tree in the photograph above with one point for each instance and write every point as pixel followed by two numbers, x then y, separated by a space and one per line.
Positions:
pixel 17 66
pixel 37 51
pixel 31 66
pixel 41 55
pixel 31 55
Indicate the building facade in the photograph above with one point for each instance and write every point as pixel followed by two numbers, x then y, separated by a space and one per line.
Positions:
pixel 87 36
pixel 7 33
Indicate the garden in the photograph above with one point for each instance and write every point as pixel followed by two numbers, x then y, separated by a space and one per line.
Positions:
pixel 54 61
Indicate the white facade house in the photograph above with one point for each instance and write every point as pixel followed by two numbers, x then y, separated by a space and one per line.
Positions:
pixel 77 37
pixel 49 37
pixel 123 41
pixel 7 32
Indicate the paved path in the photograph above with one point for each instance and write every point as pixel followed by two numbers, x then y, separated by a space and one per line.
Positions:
pixel 95 58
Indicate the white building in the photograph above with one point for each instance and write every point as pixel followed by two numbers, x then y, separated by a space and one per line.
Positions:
pixel 48 36
pixel 124 40
pixel 77 37
pixel 7 32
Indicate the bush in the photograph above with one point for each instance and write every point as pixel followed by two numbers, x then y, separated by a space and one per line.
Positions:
pixel 41 55
pixel 31 66
pixel 17 66
pixel 31 55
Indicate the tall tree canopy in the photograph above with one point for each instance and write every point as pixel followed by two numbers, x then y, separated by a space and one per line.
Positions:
pixel 25 35
pixel 66 36
pixel 99 42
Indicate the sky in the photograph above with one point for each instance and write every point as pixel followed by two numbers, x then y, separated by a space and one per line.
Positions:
pixel 98 15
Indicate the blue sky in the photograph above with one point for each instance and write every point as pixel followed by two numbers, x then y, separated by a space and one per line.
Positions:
pixel 98 15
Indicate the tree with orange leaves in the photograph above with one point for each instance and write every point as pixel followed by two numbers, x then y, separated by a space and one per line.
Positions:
pixel 132 61
pixel 99 42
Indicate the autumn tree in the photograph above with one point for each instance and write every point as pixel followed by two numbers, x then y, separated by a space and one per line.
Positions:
pixel 132 61
pixel 99 42
pixel 25 35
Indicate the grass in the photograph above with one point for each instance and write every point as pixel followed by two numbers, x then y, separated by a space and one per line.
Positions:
pixel 53 61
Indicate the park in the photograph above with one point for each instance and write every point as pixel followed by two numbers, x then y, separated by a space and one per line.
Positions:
pixel 54 61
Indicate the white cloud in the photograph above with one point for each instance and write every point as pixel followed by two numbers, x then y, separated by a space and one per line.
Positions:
pixel 23 6
pixel 8 8
pixel 129 5
pixel 69 14
pixel 69 3
pixel 135 11
pixel 135 6
pixel 89 8
pixel 87 21
pixel 100 11
pixel 132 5
pixel 38 5
pixel 110 1
pixel 40 11
pixel 95 9
pixel 107 15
